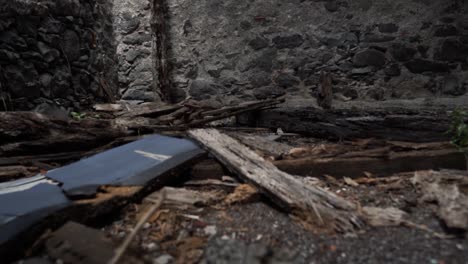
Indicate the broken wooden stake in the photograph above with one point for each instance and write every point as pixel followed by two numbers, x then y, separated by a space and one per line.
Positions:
pixel 310 202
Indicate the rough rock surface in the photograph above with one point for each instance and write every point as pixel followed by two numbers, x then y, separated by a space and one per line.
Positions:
pixel 55 52
pixel 367 45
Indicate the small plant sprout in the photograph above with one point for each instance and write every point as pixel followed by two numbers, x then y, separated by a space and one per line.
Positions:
pixel 459 131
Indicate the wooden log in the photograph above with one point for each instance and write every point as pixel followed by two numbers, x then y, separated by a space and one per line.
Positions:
pixel 378 164
pixel 400 121
pixel 27 133
pixel 313 203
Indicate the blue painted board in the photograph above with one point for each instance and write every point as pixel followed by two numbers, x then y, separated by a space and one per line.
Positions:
pixel 22 206
pixel 133 164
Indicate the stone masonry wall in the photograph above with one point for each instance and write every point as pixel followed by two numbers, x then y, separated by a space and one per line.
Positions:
pixel 375 49
pixel 134 50
pixel 58 53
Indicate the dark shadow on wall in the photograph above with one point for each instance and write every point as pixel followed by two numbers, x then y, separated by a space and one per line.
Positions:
pixel 56 54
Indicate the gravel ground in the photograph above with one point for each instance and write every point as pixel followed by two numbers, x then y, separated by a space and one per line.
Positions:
pixel 257 232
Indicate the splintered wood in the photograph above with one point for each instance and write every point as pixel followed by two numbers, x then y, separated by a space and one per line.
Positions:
pixel 449 189
pixel 315 204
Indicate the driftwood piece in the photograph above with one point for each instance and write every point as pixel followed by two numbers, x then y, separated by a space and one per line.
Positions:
pixel 33 133
pixel 310 202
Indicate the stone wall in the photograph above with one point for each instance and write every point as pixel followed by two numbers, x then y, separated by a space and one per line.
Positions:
pixel 134 40
pixel 375 49
pixel 57 53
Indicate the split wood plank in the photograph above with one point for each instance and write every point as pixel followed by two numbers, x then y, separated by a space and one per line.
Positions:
pixel 312 203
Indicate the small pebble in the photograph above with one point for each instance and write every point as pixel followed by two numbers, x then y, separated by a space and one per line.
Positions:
pixel 163 259
pixel 210 230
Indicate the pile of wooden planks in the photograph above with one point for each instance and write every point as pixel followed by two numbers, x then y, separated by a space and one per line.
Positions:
pixel 31 142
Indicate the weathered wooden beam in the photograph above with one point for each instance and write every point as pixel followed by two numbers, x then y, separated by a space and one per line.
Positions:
pixel 27 133
pixel 401 122
pixel 310 202
pixel 378 165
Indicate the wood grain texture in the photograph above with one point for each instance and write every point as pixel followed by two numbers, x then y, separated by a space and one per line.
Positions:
pixel 315 204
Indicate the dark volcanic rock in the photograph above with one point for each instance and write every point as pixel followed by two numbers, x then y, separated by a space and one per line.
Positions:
pixel 138 94
pixel 369 57
pixel 12 39
pixel 288 42
pixel 7 56
pixel 286 80
pixel 451 85
pixel 260 79
pixel 268 92
pixel 401 52
pixel 393 70
pixel 264 61
pixel 137 38
pixel 71 45
pixel 202 89
pixel 388 28
pixel 28 26
pixel 445 31
pixel 61 84
pixel 331 6
pixel 452 50
pixel 420 66
pixel 22 79
pixel 258 43
pixel 127 23
pixel 48 53
pixel 377 38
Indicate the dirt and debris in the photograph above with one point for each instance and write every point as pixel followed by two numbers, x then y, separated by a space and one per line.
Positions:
pixel 251 196
pixel 258 232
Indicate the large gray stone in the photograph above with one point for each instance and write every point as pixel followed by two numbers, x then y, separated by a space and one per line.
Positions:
pixel 127 23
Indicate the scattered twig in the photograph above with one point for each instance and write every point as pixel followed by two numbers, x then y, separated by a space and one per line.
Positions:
pixel 123 247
